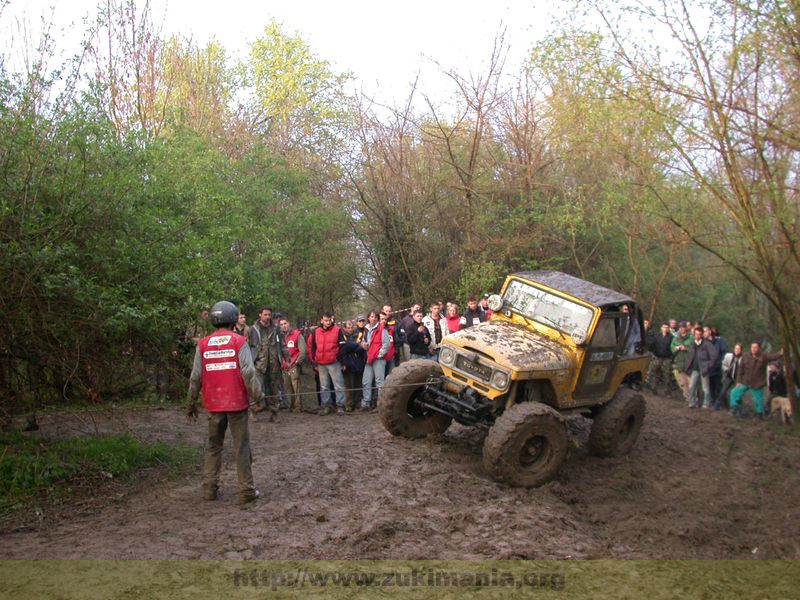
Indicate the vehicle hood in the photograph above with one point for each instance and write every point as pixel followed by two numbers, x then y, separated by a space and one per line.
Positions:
pixel 512 346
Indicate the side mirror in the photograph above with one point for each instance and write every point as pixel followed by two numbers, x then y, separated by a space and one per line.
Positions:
pixel 579 336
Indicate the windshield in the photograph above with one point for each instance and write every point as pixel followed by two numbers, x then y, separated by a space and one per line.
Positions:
pixel 546 308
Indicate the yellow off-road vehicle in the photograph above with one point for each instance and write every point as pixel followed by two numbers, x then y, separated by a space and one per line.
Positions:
pixel 556 346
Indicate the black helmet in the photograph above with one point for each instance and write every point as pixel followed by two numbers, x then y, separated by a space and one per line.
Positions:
pixel 224 313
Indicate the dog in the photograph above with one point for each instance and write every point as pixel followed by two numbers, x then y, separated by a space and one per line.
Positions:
pixel 785 406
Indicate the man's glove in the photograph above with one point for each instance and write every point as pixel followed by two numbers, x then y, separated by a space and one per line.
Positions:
pixel 191 413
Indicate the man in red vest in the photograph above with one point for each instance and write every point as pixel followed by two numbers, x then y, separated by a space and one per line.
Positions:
pixel 223 369
pixel 293 355
pixel 324 348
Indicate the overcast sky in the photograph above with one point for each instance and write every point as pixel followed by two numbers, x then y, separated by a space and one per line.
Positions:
pixel 384 44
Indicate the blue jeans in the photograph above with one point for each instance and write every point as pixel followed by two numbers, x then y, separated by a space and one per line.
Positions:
pixel 374 373
pixel 695 378
pixel 328 373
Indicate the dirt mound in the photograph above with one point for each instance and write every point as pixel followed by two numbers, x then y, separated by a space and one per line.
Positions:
pixel 698 484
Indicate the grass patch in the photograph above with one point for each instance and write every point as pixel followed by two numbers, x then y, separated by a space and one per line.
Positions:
pixel 34 468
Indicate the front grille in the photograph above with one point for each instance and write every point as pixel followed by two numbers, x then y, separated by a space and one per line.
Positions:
pixel 474 369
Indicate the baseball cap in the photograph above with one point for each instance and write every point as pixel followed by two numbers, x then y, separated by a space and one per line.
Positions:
pixel 361 318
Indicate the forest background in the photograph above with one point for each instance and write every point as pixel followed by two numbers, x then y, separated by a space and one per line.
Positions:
pixel 651 147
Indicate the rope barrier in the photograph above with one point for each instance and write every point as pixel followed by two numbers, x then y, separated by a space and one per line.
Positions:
pixel 112 408
pixel 332 391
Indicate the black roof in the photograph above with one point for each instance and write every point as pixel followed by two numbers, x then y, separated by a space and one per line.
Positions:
pixel 592 293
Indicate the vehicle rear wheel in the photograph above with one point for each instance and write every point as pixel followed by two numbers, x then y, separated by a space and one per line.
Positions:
pixel 617 424
pixel 526 445
pixel 398 408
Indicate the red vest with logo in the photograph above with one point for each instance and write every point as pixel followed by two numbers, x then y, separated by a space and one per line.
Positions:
pixel 223 386
pixel 326 345
pixel 392 350
pixel 291 345
pixel 375 345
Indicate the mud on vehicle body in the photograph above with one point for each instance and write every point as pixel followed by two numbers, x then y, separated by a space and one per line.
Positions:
pixel 556 346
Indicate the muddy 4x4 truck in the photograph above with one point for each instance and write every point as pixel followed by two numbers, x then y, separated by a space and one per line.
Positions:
pixel 555 347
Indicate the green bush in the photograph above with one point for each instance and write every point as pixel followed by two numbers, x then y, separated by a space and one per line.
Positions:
pixel 30 465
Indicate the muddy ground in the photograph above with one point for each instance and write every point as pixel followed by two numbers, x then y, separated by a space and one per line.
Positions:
pixel 697 485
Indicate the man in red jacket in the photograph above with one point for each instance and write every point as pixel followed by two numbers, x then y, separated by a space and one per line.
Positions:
pixel 223 369
pixel 324 348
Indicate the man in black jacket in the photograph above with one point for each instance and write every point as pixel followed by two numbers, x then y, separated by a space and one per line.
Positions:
pixel 660 372
pixel 699 363
pixel 473 315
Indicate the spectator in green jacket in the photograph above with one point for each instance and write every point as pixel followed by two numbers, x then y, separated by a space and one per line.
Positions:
pixel 680 352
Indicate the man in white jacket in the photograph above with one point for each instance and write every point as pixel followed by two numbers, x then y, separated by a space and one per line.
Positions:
pixel 437 327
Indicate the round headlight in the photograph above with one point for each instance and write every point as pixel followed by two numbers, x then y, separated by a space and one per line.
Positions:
pixel 446 356
pixel 495 302
pixel 500 380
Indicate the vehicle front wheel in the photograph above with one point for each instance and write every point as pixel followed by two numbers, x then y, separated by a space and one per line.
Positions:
pixel 617 424
pixel 526 445
pixel 398 408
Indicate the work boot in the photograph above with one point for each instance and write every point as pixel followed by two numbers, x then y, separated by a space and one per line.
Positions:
pixel 248 498
pixel 324 410
pixel 340 411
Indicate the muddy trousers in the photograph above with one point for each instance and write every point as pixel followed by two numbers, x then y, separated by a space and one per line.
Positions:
pixel 740 390
pixel 217 424
pixel 291 381
pixel 270 390
pixel 659 375
pixel 682 379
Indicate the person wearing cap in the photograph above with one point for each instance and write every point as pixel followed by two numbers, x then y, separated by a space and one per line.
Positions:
pixel 223 369
pixel 680 351
pixel 361 327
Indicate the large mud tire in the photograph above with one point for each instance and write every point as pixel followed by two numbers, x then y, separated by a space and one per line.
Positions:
pixel 399 413
pixel 617 424
pixel 526 445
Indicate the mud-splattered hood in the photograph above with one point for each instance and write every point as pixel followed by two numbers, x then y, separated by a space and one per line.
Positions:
pixel 512 346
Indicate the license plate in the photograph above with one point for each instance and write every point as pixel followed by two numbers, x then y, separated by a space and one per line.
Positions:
pixel 474 369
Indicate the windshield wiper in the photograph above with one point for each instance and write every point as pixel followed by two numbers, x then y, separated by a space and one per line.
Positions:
pixel 552 323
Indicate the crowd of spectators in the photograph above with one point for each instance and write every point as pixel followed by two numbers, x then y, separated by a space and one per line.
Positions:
pixel 694 362
pixel 350 359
